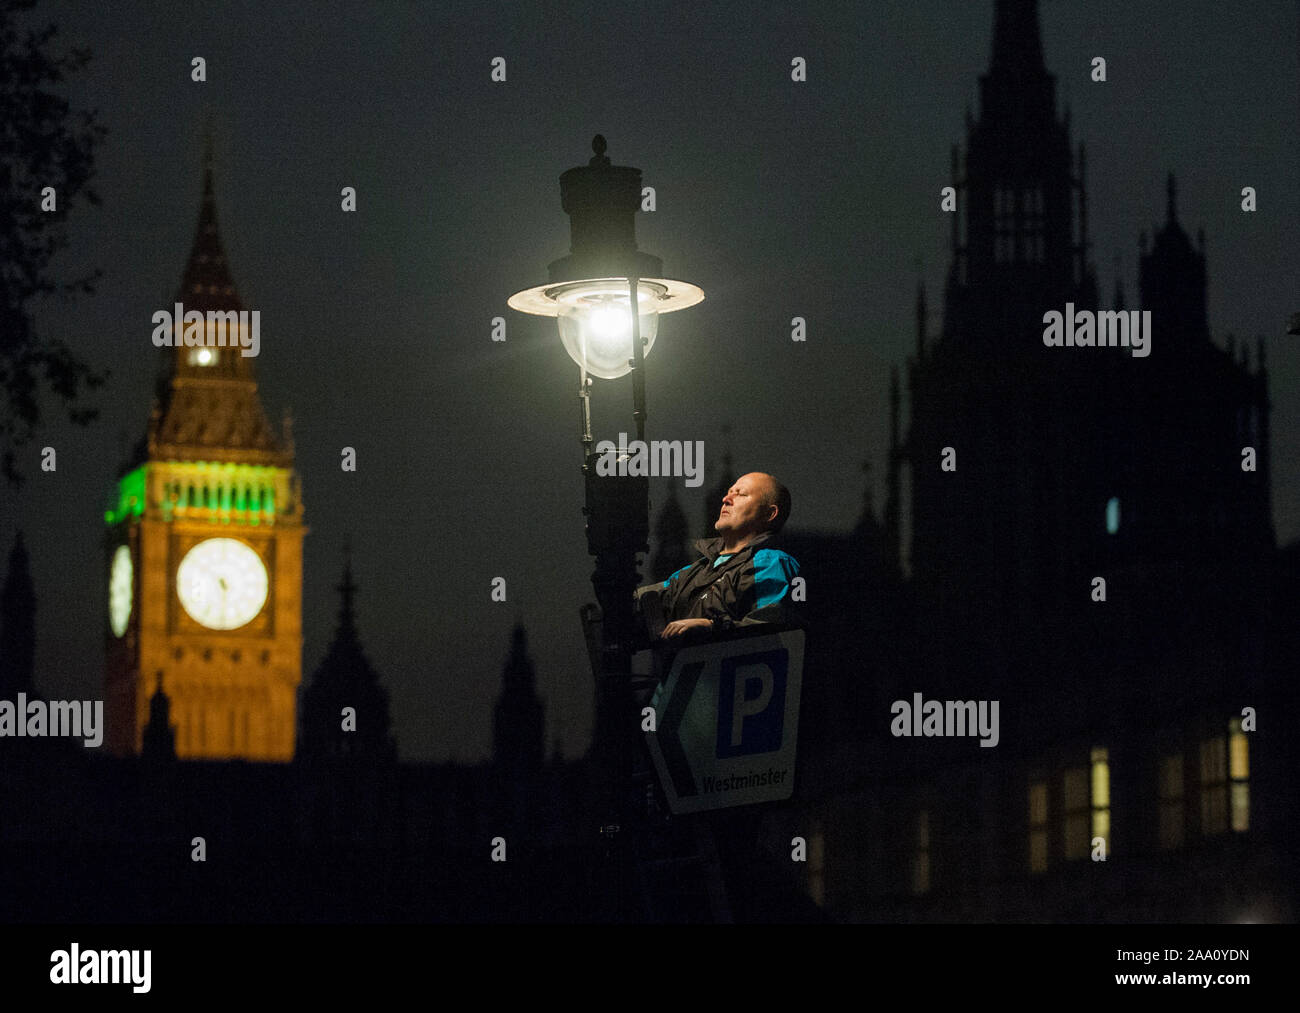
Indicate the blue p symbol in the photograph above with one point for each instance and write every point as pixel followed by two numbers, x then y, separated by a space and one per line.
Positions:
pixel 751 703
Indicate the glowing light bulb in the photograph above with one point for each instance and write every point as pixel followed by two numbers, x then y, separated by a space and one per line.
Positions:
pixel 609 323
pixel 596 326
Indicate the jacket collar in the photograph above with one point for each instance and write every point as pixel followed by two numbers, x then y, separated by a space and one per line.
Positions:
pixel 711 548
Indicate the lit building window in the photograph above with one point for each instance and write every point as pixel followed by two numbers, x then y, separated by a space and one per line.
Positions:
pixel 1239 775
pixel 1172 818
pixel 921 854
pixel 1032 247
pixel 1101 797
pixel 817 864
pixel 1112 515
pixel 1038 826
pixel 1004 225
pixel 1214 787
pixel 1085 793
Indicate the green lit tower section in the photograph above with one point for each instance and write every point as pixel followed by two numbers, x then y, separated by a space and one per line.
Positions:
pixel 204 545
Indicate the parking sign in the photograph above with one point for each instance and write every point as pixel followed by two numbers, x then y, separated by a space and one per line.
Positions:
pixel 727 722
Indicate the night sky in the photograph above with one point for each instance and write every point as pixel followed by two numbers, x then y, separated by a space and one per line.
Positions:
pixel 778 199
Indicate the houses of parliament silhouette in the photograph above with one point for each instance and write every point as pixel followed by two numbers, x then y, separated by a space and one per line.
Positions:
pixel 1098 559
pixel 1093 555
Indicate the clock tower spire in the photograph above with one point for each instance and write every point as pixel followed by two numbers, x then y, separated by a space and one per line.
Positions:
pixel 208 401
pixel 205 538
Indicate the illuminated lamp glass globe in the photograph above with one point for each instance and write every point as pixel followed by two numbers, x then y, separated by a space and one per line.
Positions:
pixel 595 319
pixel 596 326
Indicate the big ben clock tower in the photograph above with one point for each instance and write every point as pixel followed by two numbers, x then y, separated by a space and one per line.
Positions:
pixel 204 546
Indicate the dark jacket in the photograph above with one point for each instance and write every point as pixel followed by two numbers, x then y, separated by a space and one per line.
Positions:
pixel 746 588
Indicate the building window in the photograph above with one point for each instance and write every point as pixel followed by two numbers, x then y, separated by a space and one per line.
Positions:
pixel 1225 781
pixel 1239 775
pixel 1085 794
pixel 1214 787
pixel 1171 801
pixel 921 854
pixel 1004 225
pixel 1074 791
pixel 1038 826
pixel 1032 247
pixel 1112 514
pixel 817 865
pixel 1100 760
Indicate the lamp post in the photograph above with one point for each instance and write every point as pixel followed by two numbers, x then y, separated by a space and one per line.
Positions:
pixel 591 293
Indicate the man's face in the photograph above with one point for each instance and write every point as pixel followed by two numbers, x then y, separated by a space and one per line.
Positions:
pixel 743 511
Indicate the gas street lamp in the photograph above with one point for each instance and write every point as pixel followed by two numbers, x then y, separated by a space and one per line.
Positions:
pixel 591 294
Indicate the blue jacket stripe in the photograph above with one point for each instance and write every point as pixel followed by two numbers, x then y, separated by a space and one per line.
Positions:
pixel 773 571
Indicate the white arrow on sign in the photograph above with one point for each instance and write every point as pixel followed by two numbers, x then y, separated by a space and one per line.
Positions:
pixel 727 720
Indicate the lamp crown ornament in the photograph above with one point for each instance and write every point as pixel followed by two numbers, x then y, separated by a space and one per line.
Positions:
pixel 601 201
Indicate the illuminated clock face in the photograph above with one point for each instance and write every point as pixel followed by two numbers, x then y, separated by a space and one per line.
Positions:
pixel 222 583
pixel 119 590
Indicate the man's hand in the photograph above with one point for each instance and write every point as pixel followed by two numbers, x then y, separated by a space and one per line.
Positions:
pixel 679 626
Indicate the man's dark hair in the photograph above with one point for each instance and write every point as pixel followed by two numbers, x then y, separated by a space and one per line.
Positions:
pixel 779 495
